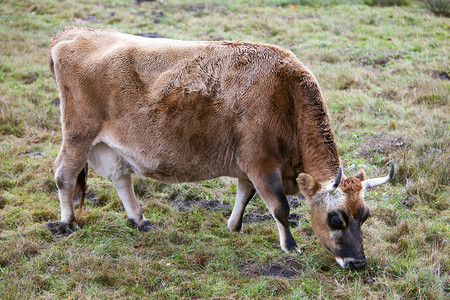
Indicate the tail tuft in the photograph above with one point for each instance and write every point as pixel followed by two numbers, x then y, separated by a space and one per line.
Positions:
pixel 82 186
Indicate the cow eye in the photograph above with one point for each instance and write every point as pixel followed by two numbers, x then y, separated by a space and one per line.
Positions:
pixel 335 221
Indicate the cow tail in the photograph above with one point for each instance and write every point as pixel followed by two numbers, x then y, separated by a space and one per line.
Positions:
pixel 51 62
pixel 81 186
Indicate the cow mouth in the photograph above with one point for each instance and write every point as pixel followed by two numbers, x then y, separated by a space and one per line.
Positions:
pixel 352 264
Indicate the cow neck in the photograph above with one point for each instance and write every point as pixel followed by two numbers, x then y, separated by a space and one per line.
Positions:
pixel 320 159
pixel 319 153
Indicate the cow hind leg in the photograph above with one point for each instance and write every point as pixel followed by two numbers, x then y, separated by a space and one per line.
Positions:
pixel 245 192
pixel 270 189
pixel 69 169
pixel 109 163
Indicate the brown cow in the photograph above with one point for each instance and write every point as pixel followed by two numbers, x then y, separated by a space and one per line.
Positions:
pixel 180 111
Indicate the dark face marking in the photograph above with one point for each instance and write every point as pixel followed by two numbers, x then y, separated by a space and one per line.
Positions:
pixel 334 221
pixel 340 232
pixel 349 241
pixel 338 219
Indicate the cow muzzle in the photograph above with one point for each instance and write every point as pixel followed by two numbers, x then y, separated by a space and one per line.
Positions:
pixel 351 263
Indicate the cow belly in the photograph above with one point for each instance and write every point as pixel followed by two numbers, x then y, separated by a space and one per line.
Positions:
pixel 177 168
pixel 108 161
pixel 112 162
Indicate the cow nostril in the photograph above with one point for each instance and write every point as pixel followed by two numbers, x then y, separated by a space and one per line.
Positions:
pixel 356 264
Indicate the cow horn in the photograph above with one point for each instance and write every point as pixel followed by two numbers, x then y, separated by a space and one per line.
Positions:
pixel 378 181
pixel 333 186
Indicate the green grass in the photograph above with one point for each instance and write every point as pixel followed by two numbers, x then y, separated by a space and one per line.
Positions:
pixel 379 70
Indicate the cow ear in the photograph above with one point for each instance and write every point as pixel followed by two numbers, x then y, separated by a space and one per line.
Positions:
pixel 308 185
pixel 361 175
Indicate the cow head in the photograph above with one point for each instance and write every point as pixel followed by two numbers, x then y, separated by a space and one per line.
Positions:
pixel 337 212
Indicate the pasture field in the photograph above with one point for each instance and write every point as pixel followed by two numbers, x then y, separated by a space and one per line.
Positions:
pixel 384 71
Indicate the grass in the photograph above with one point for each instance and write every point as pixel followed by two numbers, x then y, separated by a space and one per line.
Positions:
pixel 382 69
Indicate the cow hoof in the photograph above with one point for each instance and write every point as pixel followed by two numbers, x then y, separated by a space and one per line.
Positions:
pixel 298 251
pixel 235 227
pixel 145 226
pixel 294 251
pixel 61 229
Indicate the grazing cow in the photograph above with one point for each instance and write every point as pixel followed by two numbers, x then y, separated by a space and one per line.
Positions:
pixel 180 111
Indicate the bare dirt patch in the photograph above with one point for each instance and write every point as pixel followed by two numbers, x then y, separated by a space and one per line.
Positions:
pixel 383 144
pixel 295 201
pixel 410 201
pixel 256 217
pixel 441 75
pixel 211 205
pixel 203 9
pixel 286 268
pixel 29 78
pixel 378 59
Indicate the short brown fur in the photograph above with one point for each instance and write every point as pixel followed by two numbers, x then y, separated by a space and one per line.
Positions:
pixel 181 111
pixel 352 187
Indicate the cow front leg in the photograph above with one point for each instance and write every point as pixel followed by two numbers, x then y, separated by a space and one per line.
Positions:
pixel 271 191
pixel 124 187
pixel 245 192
